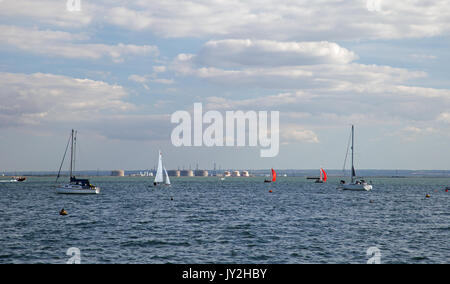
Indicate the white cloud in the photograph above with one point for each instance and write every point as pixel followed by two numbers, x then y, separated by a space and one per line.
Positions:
pixel 48 102
pixel 138 78
pixel 29 99
pixel 417 130
pixel 52 12
pixel 233 53
pixel 57 43
pixel 283 19
pixel 269 19
pixel 159 69
pixel 291 65
pixel 444 117
pixel 294 135
pixel 150 78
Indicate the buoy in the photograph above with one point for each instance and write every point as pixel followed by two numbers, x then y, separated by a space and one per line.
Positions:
pixel 428 196
pixel 270 191
pixel 63 212
pixel 446 190
pixel 171 198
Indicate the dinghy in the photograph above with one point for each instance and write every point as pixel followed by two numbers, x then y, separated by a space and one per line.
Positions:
pixel 161 177
pixel 274 177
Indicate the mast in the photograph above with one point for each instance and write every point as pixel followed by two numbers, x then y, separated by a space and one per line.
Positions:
pixel 71 155
pixel 353 148
pixel 75 151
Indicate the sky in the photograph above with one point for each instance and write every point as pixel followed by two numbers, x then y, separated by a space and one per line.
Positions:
pixel 117 70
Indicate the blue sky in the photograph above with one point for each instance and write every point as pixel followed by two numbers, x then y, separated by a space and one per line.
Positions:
pixel 117 70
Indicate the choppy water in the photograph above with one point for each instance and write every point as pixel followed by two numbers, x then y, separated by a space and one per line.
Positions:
pixel 232 221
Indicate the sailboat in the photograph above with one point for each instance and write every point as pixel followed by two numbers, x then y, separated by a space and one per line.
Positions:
pixel 162 177
pixel 274 177
pixel 355 185
pixel 75 185
pixel 323 177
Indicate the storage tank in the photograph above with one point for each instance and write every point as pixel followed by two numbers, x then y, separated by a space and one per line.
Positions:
pixel 187 173
pixel 236 174
pixel 245 174
pixel 174 173
pixel 201 173
pixel 226 174
pixel 118 173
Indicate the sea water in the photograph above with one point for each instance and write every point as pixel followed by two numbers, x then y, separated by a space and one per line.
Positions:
pixel 206 220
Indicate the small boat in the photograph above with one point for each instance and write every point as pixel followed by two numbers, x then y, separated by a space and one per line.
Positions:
pixel 274 177
pixel 75 185
pixel 323 177
pixel 161 179
pixel 14 180
pixel 355 185
pixel 19 179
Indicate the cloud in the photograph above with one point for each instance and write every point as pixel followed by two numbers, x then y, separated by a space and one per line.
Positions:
pixel 294 135
pixel 35 99
pixel 444 117
pixel 285 65
pixel 46 102
pixel 283 20
pixel 138 78
pixel 144 80
pixel 57 43
pixel 233 53
pixel 50 12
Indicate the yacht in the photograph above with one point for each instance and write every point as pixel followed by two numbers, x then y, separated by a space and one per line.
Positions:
pixel 75 185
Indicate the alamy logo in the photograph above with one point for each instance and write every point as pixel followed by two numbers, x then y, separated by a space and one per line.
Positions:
pixel 235 134
pixel 73 5
pixel 375 254
pixel 75 254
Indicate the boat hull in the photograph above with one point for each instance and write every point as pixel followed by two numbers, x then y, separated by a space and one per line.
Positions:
pixel 74 190
pixel 357 187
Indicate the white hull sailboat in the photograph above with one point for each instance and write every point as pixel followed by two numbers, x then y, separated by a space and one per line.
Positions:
pixel 355 185
pixel 75 185
pixel 77 189
pixel 161 177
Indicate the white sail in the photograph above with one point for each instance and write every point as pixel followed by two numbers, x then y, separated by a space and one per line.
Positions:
pixel 167 177
pixel 159 173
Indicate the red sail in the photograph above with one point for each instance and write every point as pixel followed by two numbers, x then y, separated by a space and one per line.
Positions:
pixel 324 175
pixel 274 176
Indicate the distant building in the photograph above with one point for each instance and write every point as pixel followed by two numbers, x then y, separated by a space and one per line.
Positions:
pixel 118 173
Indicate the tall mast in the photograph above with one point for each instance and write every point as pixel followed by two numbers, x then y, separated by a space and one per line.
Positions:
pixel 353 143
pixel 75 151
pixel 71 154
